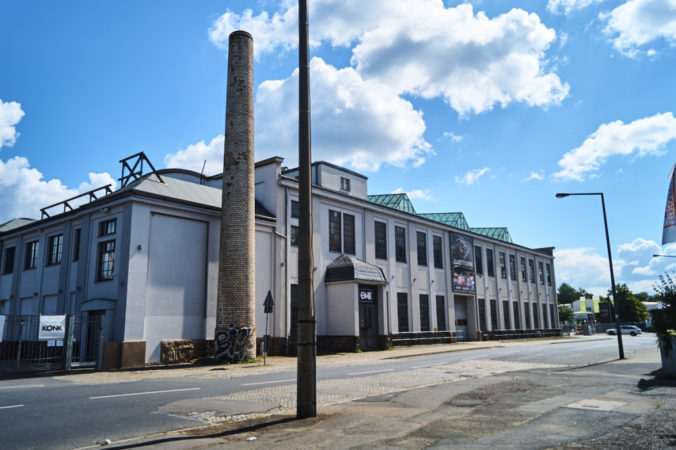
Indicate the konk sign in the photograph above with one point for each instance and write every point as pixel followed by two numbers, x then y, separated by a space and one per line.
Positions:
pixel 52 328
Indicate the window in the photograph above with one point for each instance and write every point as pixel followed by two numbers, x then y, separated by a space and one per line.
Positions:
pixel 549 274
pixel 545 317
pixel 400 244
pixel 107 227
pixel 55 250
pixel 490 265
pixel 31 261
pixel 106 261
pixel 541 273
pixel 536 319
pixel 524 277
pixel 505 313
pixel 531 269
pixel 441 313
pixel 76 244
pixel 436 248
pixel 494 314
pixel 503 265
pixel 512 267
pixel 422 248
pixel 295 209
pixel 402 311
pixel 293 237
pixel 478 263
pixel 334 231
pixel 526 315
pixel 424 312
pixel 8 264
pixel 381 239
pixel 553 317
pixel 293 328
pixel 344 184
pixel 482 314
pixel 348 234
pixel 517 316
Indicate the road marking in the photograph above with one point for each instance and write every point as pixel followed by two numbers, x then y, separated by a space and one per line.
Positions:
pixel 23 386
pixel 268 382
pixel 370 371
pixel 429 365
pixel 11 406
pixel 144 393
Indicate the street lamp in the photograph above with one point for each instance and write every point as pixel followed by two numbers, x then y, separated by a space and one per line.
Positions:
pixel 616 302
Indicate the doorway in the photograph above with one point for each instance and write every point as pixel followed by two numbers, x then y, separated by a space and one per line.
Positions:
pixel 368 317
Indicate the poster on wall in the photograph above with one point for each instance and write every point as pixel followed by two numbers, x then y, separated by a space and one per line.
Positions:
pixel 52 328
pixel 462 252
pixel 462 263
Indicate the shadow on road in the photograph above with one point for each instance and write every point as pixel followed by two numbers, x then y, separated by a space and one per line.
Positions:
pixel 657 381
pixel 264 423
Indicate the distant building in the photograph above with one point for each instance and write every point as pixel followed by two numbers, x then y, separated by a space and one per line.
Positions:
pixel 142 263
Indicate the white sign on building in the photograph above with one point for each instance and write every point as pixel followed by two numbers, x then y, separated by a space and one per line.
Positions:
pixel 52 327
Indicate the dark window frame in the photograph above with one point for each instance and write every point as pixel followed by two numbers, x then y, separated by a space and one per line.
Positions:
pixel 424 312
pixel 502 262
pixel 54 249
pixel 526 315
pixel 293 236
pixel 541 272
pixel 524 274
pixel 512 267
pixel 531 269
pixel 31 255
pixel 494 314
pixel 335 231
pixel 482 315
pixel 349 236
pixel 76 244
pixel 548 270
pixel 517 316
pixel 8 260
pixel 105 260
pixel 402 312
pixel 441 313
pixel 437 246
pixel 478 260
pixel 400 244
pixel 505 315
pixel 380 238
pixel 490 263
pixel 107 227
pixel 421 243
pixel 295 209
pixel 345 184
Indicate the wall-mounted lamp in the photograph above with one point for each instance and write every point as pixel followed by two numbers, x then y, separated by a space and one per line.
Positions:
pixel 139 247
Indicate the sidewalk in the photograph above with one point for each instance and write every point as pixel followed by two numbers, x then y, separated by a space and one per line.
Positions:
pixel 518 406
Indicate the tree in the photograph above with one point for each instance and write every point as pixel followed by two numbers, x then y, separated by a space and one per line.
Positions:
pixel 565 313
pixel 664 320
pixel 631 308
pixel 567 294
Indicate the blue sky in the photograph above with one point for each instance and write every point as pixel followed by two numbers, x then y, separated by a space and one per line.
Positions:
pixel 486 107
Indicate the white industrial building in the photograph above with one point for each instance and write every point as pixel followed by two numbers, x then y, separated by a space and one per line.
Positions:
pixel 143 262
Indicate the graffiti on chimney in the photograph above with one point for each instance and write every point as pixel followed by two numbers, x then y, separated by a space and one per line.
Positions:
pixel 231 344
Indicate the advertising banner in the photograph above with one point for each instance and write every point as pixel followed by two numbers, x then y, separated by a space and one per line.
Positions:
pixel 52 328
pixel 2 326
pixel 462 263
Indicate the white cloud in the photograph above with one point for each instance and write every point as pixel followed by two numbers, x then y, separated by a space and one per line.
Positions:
pixel 23 189
pixel 471 61
pixel 581 267
pixel 452 136
pixel 10 114
pixel 643 137
pixel 354 121
pixel 193 156
pixel 636 23
pixel 416 194
pixel 472 176
pixel 568 6
pixel 537 176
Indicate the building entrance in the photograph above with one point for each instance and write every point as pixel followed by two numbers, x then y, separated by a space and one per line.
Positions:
pixel 368 317
pixel 461 317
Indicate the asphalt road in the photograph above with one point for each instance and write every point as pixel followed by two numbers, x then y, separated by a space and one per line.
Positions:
pixel 52 412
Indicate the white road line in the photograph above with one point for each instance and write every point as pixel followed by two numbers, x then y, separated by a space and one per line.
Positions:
pixel 268 382
pixel 144 393
pixel 371 371
pixel 11 406
pixel 23 386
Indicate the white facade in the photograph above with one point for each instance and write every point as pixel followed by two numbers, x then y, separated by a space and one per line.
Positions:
pixel 152 275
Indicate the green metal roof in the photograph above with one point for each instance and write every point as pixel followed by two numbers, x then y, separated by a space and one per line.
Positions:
pixel 501 233
pixel 454 219
pixel 396 201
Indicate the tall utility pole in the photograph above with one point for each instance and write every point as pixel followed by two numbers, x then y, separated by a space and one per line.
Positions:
pixel 306 390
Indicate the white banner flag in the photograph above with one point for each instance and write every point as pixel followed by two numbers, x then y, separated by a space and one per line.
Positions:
pixel 52 327
pixel 669 231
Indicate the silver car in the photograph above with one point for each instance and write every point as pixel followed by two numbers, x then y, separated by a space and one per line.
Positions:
pixel 626 329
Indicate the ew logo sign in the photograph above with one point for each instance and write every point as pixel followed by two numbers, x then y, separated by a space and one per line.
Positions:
pixel 52 328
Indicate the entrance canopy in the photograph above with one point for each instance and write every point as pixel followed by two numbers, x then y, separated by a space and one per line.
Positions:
pixel 349 268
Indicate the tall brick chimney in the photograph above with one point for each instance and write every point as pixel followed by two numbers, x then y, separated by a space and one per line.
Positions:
pixel 235 306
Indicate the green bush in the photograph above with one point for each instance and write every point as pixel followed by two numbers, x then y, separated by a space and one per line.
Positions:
pixel 664 320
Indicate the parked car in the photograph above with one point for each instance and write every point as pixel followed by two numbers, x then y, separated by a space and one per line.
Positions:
pixel 626 329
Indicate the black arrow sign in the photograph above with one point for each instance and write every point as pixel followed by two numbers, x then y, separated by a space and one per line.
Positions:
pixel 268 304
